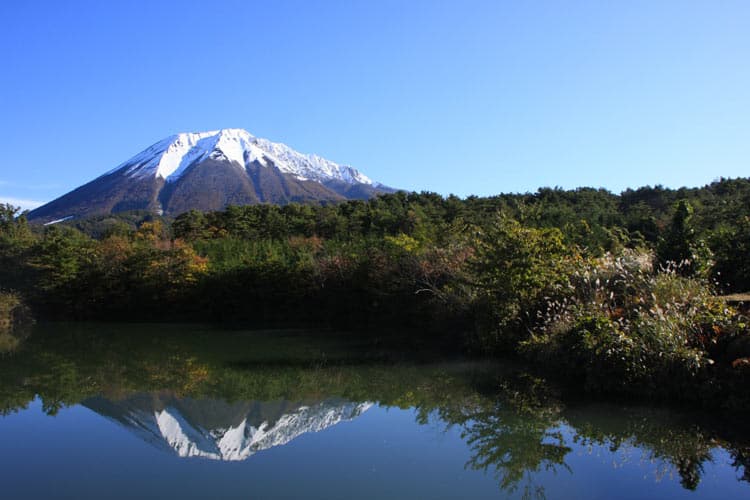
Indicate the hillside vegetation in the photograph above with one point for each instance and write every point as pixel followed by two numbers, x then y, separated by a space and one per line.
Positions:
pixel 617 292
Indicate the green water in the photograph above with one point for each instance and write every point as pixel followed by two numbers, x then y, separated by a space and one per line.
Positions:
pixel 174 411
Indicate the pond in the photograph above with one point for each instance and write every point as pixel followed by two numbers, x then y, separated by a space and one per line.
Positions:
pixel 184 411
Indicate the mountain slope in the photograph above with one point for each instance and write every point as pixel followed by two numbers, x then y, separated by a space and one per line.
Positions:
pixel 208 171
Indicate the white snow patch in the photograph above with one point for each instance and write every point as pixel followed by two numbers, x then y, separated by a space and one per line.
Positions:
pixel 182 437
pixel 244 440
pixel 171 157
pixel 58 220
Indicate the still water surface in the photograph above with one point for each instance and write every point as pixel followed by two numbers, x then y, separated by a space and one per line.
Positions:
pixel 170 411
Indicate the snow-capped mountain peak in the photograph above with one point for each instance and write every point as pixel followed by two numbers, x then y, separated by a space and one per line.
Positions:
pixel 209 171
pixel 169 158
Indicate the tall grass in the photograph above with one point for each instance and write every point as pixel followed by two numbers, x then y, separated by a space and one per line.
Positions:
pixel 622 325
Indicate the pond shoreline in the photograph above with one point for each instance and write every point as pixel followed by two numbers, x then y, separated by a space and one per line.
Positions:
pixel 393 346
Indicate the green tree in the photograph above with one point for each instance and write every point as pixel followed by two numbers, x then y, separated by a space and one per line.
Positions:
pixel 515 268
pixel 680 245
pixel 16 240
pixel 732 247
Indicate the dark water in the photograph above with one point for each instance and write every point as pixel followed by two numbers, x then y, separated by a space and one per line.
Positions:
pixel 102 411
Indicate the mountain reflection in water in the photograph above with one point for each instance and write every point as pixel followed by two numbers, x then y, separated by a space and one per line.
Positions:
pixel 437 427
pixel 215 429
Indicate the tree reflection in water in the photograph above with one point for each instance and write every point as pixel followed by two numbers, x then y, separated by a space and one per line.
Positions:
pixel 516 425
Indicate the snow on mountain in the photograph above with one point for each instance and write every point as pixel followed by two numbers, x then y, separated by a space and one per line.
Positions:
pixel 208 171
pixel 168 426
pixel 170 157
pixel 311 166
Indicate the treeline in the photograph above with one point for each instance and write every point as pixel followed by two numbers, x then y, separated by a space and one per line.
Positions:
pixel 618 290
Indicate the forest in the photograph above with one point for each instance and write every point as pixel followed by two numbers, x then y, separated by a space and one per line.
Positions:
pixel 637 294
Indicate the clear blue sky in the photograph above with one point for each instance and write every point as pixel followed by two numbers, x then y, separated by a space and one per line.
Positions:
pixel 456 97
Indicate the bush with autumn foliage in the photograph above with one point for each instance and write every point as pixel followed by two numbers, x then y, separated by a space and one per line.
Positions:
pixel 622 326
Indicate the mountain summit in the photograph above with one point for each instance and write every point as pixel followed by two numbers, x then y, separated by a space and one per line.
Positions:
pixel 208 171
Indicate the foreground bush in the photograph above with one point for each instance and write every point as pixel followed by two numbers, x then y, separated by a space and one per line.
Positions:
pixel 10 307
pixel 627 328
pixel 14 317
pixel 515 268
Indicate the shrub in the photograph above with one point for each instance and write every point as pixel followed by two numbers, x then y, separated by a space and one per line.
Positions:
pixel 515 268
pixel 627 328
pixel 14 320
